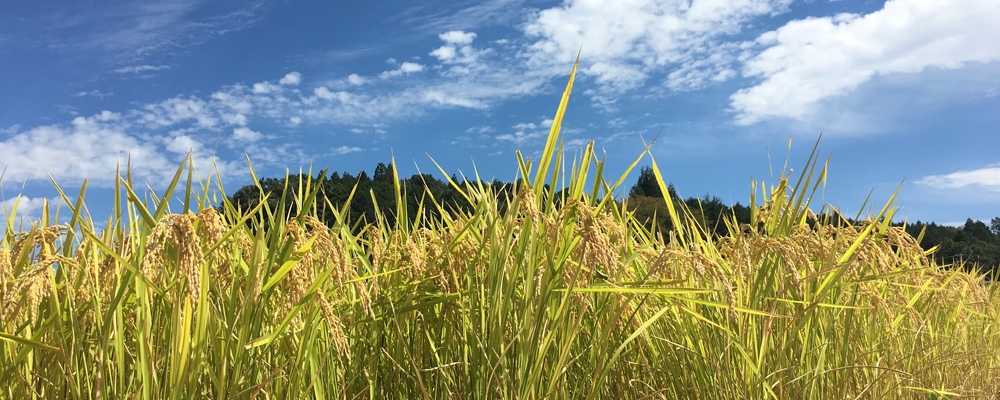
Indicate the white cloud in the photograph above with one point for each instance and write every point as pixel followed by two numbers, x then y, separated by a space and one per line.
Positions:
pixel 266 87
pixel 457 37
pixel 28 208
pixel 345 150
pixel 527 131
pixel 324 93
pixel 520 137
pixel 546 123
pixel 235 119
pixel 442 98
pixel 989 176
pixel 356 80
pixel 88 148
pixel 95 93
pixel 405 68
pixel 444 53
pixel 480 129
pixel 293 78
pixel 458 48
pixel 408 67
pixel 809 60
pixel 158 135
pixel 135 69
pixel 176 110
pixel 93 147
pixel 182 144
pixel 234 99
pixel 245 134
pixel 130 33
pixel 11 130
pixel 626 41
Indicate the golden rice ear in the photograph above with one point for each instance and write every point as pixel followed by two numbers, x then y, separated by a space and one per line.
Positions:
pixel 7 293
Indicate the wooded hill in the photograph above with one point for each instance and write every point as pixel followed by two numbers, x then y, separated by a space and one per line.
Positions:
pixel 975 243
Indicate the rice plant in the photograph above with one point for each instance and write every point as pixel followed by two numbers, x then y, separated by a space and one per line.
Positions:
pixel 527 296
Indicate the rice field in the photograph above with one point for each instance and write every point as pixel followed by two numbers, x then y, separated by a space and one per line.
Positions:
pixel 551 298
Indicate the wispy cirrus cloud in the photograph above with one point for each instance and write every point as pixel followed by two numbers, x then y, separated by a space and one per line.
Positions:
pixel 127 34
pixel 345 150
pixel 461 16
pixel 93 93
pixel 983 177
pixel 136 69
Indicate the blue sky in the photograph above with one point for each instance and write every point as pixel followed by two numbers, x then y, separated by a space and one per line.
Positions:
pixel 904 91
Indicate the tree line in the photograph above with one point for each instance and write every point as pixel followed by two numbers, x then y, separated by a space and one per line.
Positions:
pixel 975 244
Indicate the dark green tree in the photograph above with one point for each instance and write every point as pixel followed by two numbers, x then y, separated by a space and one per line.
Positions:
pixel 646 185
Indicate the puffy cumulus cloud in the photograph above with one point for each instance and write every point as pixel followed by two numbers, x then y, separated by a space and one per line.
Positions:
pixel 28 208
pixel 88 148
pixel 265 87
pixel 235 119
pixel 444 53
pixel 293 78
pixel 182 144
pixel 408 67
pixel 989 176
pixel 244 134
pixel 325 94
pixel 94 147
pixel 233 99
pixel 457 48
pixel 356 80
pixel 177 110
pixel 627 41
pixel 457 37
pixel 809 60
pixel 405 68
pixel 10 130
